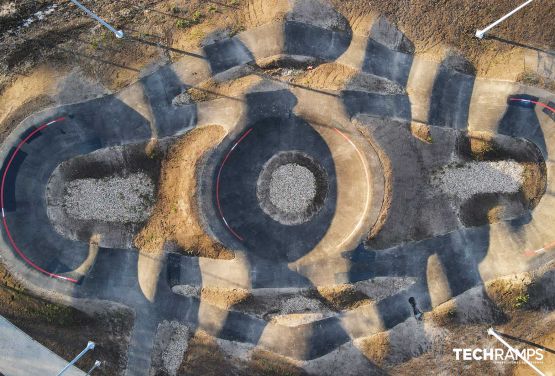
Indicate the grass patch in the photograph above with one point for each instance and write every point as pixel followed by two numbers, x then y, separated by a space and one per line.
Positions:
pixel 196 18
pixel 521 301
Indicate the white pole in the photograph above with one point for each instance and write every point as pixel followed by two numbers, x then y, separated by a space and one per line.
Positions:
pixel 90 346
pixel 95 366
pixel 498 337
pixel 118 33
pixel 480 33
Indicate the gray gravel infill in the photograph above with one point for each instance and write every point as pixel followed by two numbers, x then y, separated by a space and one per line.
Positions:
pixel 123 199
pixel 292 188
pixel 170 345
pixel 466 180
pixel 380 288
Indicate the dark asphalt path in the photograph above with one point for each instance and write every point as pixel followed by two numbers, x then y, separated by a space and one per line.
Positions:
pixel 108 121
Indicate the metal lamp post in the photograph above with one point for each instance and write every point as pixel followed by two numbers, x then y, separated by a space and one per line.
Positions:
pixel 117 33
pixel 90 346
pixel 95 366
pixel 480 33
pixel 491 332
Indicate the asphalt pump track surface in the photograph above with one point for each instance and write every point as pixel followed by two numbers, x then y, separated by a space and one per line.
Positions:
pixel 336 135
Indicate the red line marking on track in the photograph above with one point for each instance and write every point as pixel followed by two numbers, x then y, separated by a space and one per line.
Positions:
pixel 541 104
pixel 218 184
pixel 4 220
pixel 224 162
pixel 546 247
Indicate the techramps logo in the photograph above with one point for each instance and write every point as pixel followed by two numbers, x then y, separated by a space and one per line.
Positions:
pixel 500 355
pixel 531 356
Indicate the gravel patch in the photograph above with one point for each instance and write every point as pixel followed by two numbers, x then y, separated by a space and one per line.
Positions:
pixel 170 345
pixel 380 288
pixel 300 310
pixel 182 99
pixel 299 304
pixel 127 199
pixel 292 188
pixel 466 180
pixel 187 290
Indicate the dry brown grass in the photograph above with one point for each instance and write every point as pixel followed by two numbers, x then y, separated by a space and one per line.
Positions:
pixel 175 217
pixel 342 297
pixel 63 329
pixel 436 26
pixel 205 357
pixel 481 146
pixel 533 79
pixel 534 182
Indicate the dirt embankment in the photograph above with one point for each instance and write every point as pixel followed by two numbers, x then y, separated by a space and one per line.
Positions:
pixel 205 357
pixel 175 218
pixel 65 330
pixel 436 26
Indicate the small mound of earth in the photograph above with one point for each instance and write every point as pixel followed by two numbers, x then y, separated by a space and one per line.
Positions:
pixel 469 179
pixel 292 188
pixel 122 199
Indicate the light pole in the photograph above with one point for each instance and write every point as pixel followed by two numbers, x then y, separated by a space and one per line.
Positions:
pixel 95 365
pixel 90 346
pixel 117 33
pixel 491 332
pixel 480 33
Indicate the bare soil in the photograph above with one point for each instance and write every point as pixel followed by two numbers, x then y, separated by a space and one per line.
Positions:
pixel 65 330
pixel 436 26
pixel 204 357
pixel 175 217
pixel 342 297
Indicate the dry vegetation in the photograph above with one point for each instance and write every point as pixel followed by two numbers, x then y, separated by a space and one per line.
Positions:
pixel 175 217
pixel 342 297
pixel 65 330
pixel 224 298
pixel 435 26
pixel 509 305
pixel 204 357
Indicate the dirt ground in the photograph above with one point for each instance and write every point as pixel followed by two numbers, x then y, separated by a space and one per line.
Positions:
pixel 66 38
pixel 65 330
pixel 437 26
pixel 205 357
pixel 175 217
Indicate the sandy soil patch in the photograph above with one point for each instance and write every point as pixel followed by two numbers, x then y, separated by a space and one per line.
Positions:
pixel 175 217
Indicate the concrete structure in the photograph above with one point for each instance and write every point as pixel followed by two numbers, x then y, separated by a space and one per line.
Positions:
pixel 360 136
pixel 22 355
